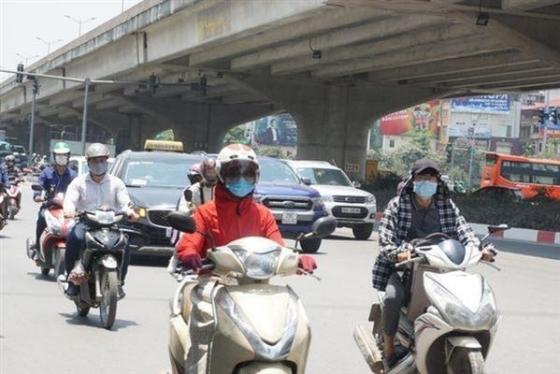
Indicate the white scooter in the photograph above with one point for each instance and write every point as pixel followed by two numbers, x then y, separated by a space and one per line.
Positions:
pixel 257 327
pixel 451 319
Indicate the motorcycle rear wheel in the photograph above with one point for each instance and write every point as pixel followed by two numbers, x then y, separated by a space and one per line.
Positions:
pixel 466 361
pixel 108 305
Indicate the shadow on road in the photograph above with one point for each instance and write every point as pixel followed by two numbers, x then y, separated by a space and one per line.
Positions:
pixel 347 238
pixel 529 249
pixel 41 277
pixel 5 236
pixel 93 320
pixel 150 261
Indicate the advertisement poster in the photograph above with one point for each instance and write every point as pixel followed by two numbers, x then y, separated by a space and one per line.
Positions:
pixel 425 116
pixel 498 104
pixel 276 130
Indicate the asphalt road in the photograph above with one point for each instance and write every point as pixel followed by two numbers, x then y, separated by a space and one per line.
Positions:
pixel 41 333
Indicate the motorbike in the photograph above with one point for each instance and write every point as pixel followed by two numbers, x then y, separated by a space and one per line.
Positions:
pixel 451 318
pixel 258 327
pixel 101 262
pixel 13 194
pixel 49 252
pixel 3 206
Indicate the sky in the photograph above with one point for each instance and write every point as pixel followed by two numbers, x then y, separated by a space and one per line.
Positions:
pixel 22 21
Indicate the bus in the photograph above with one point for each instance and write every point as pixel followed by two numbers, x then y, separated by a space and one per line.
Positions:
pixel 531 177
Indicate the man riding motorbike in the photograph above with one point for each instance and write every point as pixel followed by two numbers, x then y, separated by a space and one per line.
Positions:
pixel 54 179
pixel 13 174
pixel 90 192
pixel 201 191
pixel 422 207
pixel 233 214
pixel 4 186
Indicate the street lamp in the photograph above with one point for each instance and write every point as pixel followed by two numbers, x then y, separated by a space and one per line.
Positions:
pixel 26 58
pixel 48 43
pixel 80 22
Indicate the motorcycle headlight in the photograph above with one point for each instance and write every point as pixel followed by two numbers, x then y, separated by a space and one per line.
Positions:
pixel 105 218
pixel 259 265
pixel 460 316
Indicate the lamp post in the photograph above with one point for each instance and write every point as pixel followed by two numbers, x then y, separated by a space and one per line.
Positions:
pixel 26 58
pixel 80 22
pixel 48 42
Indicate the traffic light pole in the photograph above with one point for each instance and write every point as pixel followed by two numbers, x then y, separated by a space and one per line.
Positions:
pixel 84 116
pixel 32 124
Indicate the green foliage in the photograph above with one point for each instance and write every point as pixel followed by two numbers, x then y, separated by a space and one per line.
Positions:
pixel 237 135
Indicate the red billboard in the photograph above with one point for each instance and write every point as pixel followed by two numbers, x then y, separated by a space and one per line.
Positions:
pixel 425 116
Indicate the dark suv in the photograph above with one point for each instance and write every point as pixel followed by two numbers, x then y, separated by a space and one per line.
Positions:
pixel 154 181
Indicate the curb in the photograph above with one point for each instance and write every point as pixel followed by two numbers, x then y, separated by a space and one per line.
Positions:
pixel 514 233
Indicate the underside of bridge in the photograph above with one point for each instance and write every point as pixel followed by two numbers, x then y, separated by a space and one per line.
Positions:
pixel 201 67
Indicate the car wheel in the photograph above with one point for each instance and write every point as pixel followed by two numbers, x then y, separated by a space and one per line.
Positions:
pixel 310 245
pixel 362 232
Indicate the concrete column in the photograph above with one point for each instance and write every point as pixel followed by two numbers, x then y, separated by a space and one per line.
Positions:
pixel 333 120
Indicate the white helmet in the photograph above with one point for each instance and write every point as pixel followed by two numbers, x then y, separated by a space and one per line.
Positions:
pixel 97 150
pixel 239 154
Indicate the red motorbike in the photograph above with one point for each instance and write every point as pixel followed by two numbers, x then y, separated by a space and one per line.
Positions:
pixel 49 252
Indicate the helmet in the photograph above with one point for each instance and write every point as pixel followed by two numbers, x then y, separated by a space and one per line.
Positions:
pixel 208 170
pixel 194 174
pixel 97 150
pixel 235 160
pixel 61 148
pixel 10 158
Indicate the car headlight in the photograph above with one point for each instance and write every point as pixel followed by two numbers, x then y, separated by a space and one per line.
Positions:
pixel 318 202
pixel 327 198
pixel 258 198
pixel 370 199
pixel 142 212
pixel 259 265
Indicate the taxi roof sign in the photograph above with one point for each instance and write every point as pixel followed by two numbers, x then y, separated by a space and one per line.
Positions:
pixel 163 145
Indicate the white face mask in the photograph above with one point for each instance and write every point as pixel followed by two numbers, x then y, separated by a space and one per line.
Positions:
pixel 98 168
pixel 61 160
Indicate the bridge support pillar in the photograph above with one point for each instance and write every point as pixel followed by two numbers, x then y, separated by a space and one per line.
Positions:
pixel 333 120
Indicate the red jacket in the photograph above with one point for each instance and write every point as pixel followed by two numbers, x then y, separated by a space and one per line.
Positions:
pixel 228 218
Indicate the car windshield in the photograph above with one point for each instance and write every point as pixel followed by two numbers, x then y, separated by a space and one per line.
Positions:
pixel 157 173
pixel 331 177
pixel 274 171
pixel 19 149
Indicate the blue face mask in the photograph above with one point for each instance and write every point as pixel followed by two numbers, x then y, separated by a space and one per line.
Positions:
pixel 425 189
pixel 240 188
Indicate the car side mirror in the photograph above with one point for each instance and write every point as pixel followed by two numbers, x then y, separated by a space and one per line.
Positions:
pixel 356 184
pixel 306 181
pixel 324 226
pixel 182 222
pixel 492 229
pixel 37 187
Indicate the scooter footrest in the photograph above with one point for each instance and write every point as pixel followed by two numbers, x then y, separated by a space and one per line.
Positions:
pixel 366 342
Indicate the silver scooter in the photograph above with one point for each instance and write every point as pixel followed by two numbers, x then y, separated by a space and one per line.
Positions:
pixel 451 319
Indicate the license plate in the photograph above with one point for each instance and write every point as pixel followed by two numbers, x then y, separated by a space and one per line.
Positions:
pixel 289 218
pixel 168 231
pixel 351 210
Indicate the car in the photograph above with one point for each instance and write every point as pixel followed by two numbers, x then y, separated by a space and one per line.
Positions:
pixel 154 181
pixel 21 156
pixel 350 206
pixel 80 166
pixel 294 205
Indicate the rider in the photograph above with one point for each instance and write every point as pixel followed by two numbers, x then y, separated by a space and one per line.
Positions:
pixel 13 174
pixel 4 185
pixel 422 207
pixel 54 179
pixel 201 191
pixel 233 214
pixel 90 192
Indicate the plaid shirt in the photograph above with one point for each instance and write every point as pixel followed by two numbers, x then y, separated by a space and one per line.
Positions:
pixel 397 221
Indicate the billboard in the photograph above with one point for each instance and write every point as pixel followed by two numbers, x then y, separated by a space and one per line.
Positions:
pixel 498 104
pixel 275 130
pixel 425 116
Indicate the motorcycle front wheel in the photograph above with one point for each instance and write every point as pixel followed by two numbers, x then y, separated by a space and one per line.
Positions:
pixel 109 292
pixel 466 361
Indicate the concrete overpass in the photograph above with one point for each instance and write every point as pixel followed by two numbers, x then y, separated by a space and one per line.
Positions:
pixel 202 66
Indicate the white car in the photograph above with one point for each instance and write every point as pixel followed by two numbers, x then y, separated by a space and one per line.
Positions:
pixel 350 206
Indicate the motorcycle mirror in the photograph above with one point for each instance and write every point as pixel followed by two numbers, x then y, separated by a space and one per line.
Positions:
pixel 492 229
pixel 182 222
pixel 36 187
pixel 324 226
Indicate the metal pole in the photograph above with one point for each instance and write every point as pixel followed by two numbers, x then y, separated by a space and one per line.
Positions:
pixel 545 137
pixel 32 124
pixel 84 116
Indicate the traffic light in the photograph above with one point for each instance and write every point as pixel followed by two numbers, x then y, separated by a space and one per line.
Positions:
pixel 19 77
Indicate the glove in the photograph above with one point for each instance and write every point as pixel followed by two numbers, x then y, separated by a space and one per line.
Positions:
pixel 191 261
pixel 307 264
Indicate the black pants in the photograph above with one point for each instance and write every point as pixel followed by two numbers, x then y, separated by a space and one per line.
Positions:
pixel 76 243
pixel 395 298
pixel 40 227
